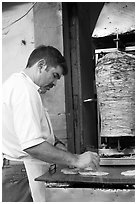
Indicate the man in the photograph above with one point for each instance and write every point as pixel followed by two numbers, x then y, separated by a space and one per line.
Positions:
pixel 27 131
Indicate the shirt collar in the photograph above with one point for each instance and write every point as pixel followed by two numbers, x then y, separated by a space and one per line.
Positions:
pixel 30 80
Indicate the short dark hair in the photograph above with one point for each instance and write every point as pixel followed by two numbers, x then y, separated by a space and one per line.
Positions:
pixel 52 56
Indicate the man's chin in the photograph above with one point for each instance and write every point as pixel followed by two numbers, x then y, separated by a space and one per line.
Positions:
pixel 42 91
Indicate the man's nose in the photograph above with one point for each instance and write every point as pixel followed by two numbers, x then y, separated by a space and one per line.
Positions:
pixel 55 82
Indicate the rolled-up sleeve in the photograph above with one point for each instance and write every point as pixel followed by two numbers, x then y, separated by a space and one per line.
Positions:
pixel 27 111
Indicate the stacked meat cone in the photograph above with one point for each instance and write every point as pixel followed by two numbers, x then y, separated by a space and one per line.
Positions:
pixel 115 83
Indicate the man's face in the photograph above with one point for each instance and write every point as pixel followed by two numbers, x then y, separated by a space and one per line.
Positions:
pixel 48 78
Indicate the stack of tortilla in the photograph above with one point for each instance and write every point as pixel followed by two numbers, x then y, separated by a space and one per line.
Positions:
pixel 83 172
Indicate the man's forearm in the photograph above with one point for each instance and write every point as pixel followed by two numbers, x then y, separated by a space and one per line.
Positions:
pixel 57 141
pixel 48 153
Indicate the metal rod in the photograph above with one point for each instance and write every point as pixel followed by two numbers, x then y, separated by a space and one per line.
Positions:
pixel 89 100
pixel 106 50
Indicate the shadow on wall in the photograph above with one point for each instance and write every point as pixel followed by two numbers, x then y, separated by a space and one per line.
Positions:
pixel 8 5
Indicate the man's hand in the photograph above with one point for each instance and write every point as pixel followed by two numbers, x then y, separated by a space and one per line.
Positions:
pixel 88 159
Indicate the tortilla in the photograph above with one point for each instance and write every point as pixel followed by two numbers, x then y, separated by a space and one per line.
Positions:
pixel 88 169
pixel 84 172
pixel 69 171
pixel 128 173
pixel 93 173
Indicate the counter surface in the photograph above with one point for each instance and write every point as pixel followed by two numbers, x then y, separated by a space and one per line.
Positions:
pixel 113 180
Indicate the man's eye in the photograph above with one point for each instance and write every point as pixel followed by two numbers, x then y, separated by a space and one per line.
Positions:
pixel 56 76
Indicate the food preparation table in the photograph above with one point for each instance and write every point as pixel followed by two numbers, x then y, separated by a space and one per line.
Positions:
pixel 113 180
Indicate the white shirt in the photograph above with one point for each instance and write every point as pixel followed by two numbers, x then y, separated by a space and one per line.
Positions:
pixel 25 122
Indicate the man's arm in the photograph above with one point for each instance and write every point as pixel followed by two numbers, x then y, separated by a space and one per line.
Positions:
pixel 59 144
pixel 57 141
pixel 48 153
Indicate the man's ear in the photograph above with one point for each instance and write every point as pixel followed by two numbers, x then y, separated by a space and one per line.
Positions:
pixel 41 64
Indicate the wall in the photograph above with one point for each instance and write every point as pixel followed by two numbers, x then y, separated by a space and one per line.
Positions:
pixel 17 39
pixel 48 31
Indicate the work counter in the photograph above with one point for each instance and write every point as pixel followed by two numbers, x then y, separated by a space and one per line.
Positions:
pixel 113 180
pixel 73 188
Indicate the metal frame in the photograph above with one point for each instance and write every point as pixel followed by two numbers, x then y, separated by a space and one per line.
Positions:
pixel 74 47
